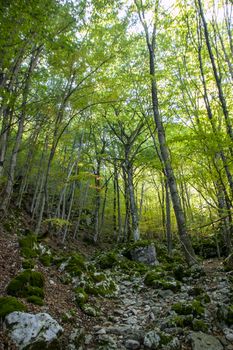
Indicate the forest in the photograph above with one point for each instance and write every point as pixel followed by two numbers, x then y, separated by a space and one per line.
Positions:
pixel 116 135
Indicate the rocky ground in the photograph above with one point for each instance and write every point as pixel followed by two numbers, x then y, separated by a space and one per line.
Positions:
pixel 139 309
pixel 138 316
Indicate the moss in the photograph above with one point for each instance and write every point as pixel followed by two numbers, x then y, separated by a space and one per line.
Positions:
pixel 28 278
pixel 28 245
pixel 226 314
pixel 204 298
pixel 89 310
pixel 132 266
pixel 76 265
pixel 196 290
pixel 35 300
pixel 37 291
pixel 164 338
pixel 195 308
pixel 98 277
pixel 81 297
pixel 28 264
pixel 46 259
pixel 199 325
pixel 10 304
pixel 107 261
pixel 180 272
pixel 105 288
pixel 152 277
pixel 183 321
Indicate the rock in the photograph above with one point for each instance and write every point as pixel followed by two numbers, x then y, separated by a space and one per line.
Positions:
pixel 174 344
pixel 146 255
pixel 202 341
pixel 152 340
pixel 132 344
pixel 28 331
pixel 228 334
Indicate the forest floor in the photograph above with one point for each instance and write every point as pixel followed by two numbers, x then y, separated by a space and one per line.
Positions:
pixel 123 321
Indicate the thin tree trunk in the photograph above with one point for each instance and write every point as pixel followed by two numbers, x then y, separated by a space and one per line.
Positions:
pixel 182 229
pixel 168 220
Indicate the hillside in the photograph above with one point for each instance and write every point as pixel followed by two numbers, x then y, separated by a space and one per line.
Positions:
pixel 103 300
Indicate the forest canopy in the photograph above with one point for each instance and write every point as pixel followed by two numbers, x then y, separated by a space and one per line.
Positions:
pixel 116 118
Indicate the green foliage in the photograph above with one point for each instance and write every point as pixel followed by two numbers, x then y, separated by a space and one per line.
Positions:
pixel 57 222
pixel 10 304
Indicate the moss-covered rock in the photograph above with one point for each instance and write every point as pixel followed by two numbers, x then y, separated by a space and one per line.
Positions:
pixel 183 308
pixel 21 285
pixel 107 261
pixel 106 288
pixel 75 265
pixel 98 276
pixel 157 279
pixel 46 259
pixel 28 246
pixel 199 326
pixel 81 297
pixel 182 321
pixel 132 267
pixel 152 277
pixel 10 304
pixel 196 290
pixel 180 271
pixel 90 310
pixel 28 264
pixel 37 291
pixel 35 300
pixel 225 314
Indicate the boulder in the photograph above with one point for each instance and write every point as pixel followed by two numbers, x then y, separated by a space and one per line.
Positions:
pixel 152 340
pixel 146 254
pixel 202 341
pixel 29 331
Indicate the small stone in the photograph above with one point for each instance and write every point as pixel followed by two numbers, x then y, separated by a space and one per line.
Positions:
pixel 228 334
pixel 132 344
